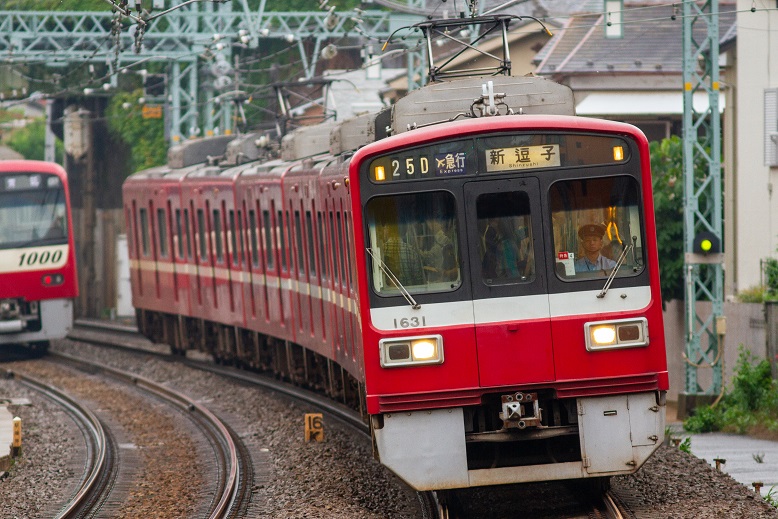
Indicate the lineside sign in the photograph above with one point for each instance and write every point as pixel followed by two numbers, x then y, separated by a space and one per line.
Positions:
pixel 314 427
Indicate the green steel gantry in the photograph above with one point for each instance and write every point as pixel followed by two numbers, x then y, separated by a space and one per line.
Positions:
pixel 703 200
pixel 182 37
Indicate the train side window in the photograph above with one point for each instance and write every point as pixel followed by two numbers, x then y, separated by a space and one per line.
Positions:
pixel 340 249
pixel 288 233
pixel 187 234
pixel 240 238
pixel 334 249
pixel 253 237
pixel 179 235
pixel 282 240
pixel 596 222
pixel 267 224
pixel 201 235
pixel 347 224
pixel 144 231
pixel 311 244
pixel 130 226
pixel 233 236
pixel 506 244
pixel 217 233
pixel 322 245
pixel 162 232
pixel 298 231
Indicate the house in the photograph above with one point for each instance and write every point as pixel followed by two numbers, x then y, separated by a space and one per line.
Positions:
pixel 633 74
pixel 751 205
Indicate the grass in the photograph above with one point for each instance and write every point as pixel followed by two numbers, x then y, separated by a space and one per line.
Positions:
pixel 749 407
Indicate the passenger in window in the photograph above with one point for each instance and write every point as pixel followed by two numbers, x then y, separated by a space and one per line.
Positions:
pixel 56 230
pixel 591 240
pixel 505 251
pixel 440 258
pixel 490 249
pixel 403 260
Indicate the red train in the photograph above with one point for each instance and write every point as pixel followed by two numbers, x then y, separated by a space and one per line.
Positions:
pixel 474 268
pixel 38 278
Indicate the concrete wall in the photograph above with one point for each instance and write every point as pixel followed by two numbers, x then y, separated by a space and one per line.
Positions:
pixel 756 209
pixel 97 276
pixel 745 326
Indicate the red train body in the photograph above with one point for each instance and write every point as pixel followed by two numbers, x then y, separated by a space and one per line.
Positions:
pixel 435 278
pixel 38 277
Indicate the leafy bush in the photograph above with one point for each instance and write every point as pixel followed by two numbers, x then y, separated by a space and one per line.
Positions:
pixel 30 141
pixel 752 382
pixel 770 266
pixel 751 404
pixel 146 137
pixel 704 419
pixel 667 180
pixel 752 295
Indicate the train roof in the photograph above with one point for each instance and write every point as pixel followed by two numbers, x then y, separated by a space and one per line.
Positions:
pixel 31 166
pixel 195 151
pixel 164 173
pixel 318 145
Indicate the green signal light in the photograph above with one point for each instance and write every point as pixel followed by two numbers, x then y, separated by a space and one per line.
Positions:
pixel 706 243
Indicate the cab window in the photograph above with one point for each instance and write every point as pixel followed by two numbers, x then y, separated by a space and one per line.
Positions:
pixel 597 226
pixel 413 243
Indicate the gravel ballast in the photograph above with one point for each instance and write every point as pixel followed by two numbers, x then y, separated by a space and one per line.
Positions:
pixel 335 478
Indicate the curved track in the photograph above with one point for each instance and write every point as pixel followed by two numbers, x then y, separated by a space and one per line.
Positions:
pixel 100 469
pixel 234 465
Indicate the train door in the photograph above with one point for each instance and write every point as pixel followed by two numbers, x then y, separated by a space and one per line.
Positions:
pixel 510 296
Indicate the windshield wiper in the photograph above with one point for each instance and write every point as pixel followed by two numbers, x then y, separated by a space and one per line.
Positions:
pixel 396 282
pixel 613 273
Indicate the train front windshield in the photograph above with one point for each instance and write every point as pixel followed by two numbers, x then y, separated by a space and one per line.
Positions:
pixel 415 242
pixel 32 210
pixel 504 215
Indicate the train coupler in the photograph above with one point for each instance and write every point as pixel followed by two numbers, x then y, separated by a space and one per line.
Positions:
pixel 520 410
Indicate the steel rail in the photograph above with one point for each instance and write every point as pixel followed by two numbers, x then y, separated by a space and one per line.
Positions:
pixel 222 435
pixel 92 427
pixel 612 506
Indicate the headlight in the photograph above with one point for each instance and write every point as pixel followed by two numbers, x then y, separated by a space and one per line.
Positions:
pixel 622 333
pixel 411 351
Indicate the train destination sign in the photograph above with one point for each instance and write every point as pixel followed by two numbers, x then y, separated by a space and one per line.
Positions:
pixel 438 161
pixel 522 157
pixel 500 153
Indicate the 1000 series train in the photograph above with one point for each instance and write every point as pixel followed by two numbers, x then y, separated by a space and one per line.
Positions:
pixel 427 264
pixel 38 278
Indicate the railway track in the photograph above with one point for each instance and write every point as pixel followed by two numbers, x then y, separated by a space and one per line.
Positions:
pixel 434 505
pixel 100 468
pixel 234 473
pixel 234 466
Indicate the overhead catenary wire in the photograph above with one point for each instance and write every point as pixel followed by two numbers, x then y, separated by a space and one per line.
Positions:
pixel 291 69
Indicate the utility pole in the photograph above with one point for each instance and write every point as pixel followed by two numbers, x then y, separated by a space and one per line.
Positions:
pixel 79 147
pixel 703 260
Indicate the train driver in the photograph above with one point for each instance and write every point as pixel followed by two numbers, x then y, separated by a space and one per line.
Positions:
pixel 592 260
pixel 57 228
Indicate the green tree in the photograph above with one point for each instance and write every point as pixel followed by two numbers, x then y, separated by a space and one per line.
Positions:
pixel 55 5
pixel 667 182
pixel 145 137
pixel 30 141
